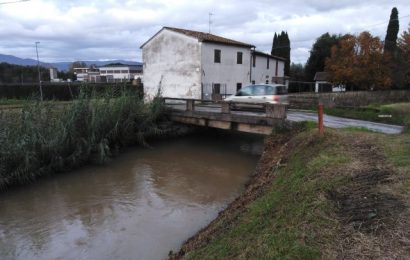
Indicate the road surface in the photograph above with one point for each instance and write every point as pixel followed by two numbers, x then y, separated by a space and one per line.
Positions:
pixel 298 116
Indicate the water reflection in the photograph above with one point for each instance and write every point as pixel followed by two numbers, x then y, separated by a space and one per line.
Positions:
pixel 140 206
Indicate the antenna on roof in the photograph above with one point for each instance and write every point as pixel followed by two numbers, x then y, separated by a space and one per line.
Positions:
pixel 210 21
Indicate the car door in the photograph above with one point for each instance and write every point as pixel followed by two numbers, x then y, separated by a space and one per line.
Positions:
pixel 259 92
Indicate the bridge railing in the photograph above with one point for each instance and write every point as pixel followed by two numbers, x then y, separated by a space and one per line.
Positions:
pixel 277 111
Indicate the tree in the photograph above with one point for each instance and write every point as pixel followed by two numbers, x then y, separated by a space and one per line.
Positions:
pixel 359 61
pixel 404 48
pixel 391 51
pixel 281 48
pixel 297 71
pixel 321 50
pixel 390 42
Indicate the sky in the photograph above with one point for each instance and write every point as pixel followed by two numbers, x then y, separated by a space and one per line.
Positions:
pixel 70 30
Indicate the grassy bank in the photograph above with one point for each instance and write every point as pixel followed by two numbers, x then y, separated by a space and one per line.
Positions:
pixel 398 113
pixel 344 195
pixel 46 137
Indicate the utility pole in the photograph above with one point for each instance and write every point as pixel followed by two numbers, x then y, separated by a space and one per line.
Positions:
pixel 39 76
pixel 210 21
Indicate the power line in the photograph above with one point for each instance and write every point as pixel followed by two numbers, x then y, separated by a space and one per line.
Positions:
pixel 13 2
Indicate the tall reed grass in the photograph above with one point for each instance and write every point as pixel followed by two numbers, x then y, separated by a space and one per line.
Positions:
pixel 43 138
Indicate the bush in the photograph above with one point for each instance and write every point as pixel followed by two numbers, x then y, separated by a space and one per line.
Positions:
pixel 47 137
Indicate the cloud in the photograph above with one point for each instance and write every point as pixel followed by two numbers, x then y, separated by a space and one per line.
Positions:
pixel 84 30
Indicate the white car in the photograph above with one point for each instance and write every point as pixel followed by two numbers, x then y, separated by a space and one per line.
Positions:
pixel 261 94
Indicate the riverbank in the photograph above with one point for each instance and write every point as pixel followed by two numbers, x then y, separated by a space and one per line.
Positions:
pixel 42 138
pixel 344 195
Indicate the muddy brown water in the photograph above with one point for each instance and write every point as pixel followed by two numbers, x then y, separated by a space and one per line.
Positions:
pixel 141 205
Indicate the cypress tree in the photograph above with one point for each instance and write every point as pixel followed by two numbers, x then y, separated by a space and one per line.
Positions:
pixel 390 43
pixel 274 44
pixel 281 48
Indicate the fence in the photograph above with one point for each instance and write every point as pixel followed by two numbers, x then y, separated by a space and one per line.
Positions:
pixel 348 99
pixel 214 91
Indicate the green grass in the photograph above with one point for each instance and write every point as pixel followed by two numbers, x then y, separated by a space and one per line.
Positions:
pixel 398 113
pixel 289 221
pixel 358 129
pixel 8 101
pixel 294 218
pixel 398 151
pixel 47 137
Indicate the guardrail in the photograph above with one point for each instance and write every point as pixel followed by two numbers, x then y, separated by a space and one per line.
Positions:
pixel 277 111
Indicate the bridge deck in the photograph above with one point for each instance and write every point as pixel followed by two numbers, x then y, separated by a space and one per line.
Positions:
pixel 220 115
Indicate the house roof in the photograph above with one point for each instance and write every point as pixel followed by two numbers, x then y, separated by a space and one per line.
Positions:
pixel 204 37
pixel 259 53
pixel 321 76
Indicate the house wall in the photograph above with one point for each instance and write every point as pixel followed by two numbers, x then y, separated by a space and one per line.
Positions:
pixel 172 62
pixel 227 73
pixel 260 73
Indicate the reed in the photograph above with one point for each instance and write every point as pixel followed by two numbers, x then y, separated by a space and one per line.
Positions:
pixel 48 137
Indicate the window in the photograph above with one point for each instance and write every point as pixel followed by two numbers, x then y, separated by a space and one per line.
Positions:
pixel 238 86
pixel 239 57
pixel 254 60
pixel 269 90
pixel 267 63
pixel 247 91
pixel 259 90
pixel 217 56
pixel 124 71
pixel 216 88
pixel 253 82
pixel 117 71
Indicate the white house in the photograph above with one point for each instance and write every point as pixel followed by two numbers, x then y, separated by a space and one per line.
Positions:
pixel 267 68
pixel 190 64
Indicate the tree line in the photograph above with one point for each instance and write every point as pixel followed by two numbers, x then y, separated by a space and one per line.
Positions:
pixel 359 62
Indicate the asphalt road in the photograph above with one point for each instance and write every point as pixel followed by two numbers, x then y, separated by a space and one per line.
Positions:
pixel 340 122
pixel 298 116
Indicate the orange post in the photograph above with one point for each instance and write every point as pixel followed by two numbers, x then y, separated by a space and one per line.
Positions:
pixel 320 119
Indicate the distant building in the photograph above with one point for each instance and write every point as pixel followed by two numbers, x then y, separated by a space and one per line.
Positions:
pixel 109 73
pixel 81 74
pixel 53 74
pixel 191 64
pixel 323 85
pixel 120 72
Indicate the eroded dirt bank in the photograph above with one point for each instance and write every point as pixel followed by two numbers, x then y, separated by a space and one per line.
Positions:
pixel 335 197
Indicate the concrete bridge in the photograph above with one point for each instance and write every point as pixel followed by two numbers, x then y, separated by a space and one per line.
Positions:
pixel 220 115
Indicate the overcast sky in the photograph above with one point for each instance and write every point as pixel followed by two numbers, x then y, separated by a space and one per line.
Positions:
pixel 72 30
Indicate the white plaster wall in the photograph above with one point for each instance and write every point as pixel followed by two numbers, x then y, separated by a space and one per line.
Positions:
pixel 172 62
pixel 228 71
pixel 260 73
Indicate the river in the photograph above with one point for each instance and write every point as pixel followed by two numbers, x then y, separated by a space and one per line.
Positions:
pixel 140 205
